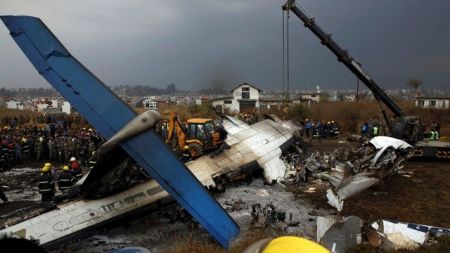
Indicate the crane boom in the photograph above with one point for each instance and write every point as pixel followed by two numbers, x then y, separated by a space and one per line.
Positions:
pixel 344 57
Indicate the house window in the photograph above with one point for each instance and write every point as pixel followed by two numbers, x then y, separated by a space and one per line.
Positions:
pixel 245 92
pixel 227 102
pixel 420 103
pixel 433 103
pixel 263 107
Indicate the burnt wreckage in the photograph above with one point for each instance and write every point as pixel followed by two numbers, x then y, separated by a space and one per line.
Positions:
pixel 117 187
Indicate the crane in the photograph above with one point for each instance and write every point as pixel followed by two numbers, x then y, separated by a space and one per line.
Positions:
pixel 403 126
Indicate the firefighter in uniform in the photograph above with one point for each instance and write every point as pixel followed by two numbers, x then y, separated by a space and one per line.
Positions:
pixel 2 194
pixel 45 183
pixel 75 169
pixel 66 179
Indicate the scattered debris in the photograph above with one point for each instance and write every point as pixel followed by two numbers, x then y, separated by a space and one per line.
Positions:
pixel 339 234
pixel 266 216
pixel 391 235
pixel 130 250
pixel 351 170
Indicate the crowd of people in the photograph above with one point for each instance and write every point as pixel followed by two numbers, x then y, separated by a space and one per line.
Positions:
pixel 59 139
pixel 54 141
pixel 372 128
pixel 249 118
pixel 316 129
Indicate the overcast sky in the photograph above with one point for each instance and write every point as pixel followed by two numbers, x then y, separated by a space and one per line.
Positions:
pixel 207 43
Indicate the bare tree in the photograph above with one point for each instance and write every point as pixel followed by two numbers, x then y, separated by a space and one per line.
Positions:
pixel 414 83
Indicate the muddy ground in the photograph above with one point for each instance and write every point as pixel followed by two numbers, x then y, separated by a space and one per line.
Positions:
pixel 421 195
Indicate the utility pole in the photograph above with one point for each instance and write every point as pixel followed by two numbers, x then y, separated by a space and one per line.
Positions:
pixel 357 90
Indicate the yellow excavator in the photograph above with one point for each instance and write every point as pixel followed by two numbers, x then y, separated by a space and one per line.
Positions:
pixel 199 135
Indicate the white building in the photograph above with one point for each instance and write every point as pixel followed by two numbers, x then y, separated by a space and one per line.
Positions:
pixel 150 104
pixel 350 97
pixel 54 103
pixel 13 104
pixel 433 102
pixel 245 98
pixel 41 106
pixel 310 97
pixel 66 108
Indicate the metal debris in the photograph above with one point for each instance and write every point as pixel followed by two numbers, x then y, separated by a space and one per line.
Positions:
pixel 391 235
pixel 339 234
pixel 262 217
pixel 351 170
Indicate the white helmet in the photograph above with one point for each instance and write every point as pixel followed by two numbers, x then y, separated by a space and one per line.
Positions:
pixel 73 159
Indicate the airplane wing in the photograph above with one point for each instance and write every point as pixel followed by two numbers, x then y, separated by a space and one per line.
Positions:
pixel 108 114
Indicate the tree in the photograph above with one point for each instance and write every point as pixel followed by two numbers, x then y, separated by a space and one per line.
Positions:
pixel 298 111
pixel 414 83
pixel 171 89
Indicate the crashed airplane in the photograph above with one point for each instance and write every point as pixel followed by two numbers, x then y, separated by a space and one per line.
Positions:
pixel 108 114
pixel 116 188
pixel 108 192
pixel 106 198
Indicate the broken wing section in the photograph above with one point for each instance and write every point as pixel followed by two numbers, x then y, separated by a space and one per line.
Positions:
pixel 108 114
pixel 368 167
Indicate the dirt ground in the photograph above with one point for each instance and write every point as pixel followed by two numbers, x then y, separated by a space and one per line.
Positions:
pixel 421 195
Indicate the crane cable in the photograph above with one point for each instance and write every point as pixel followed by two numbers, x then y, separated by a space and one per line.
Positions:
pixel 287 53
pixel 285 41
pixel 284 61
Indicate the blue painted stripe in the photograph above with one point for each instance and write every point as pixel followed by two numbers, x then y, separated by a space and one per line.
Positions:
pixel 107 113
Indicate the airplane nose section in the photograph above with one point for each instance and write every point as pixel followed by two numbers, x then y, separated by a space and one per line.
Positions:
pixel 139 124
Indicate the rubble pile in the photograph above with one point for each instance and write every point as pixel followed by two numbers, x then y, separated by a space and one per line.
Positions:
pixel 343 233
pixel 349 170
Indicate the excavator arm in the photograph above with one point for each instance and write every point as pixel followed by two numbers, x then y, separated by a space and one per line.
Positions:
pixel 174 127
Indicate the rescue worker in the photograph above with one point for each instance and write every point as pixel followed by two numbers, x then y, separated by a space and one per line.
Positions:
pixel 186 155
pixel 66 179
pixel 364 129
pixel 45 183
pixel 75 169
pixel 308 127
pixel 38 146
pixel 2 194
pixel 434 135
pixel 374 130
pixel 334 129
pixel 92 161
pixel 327 130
